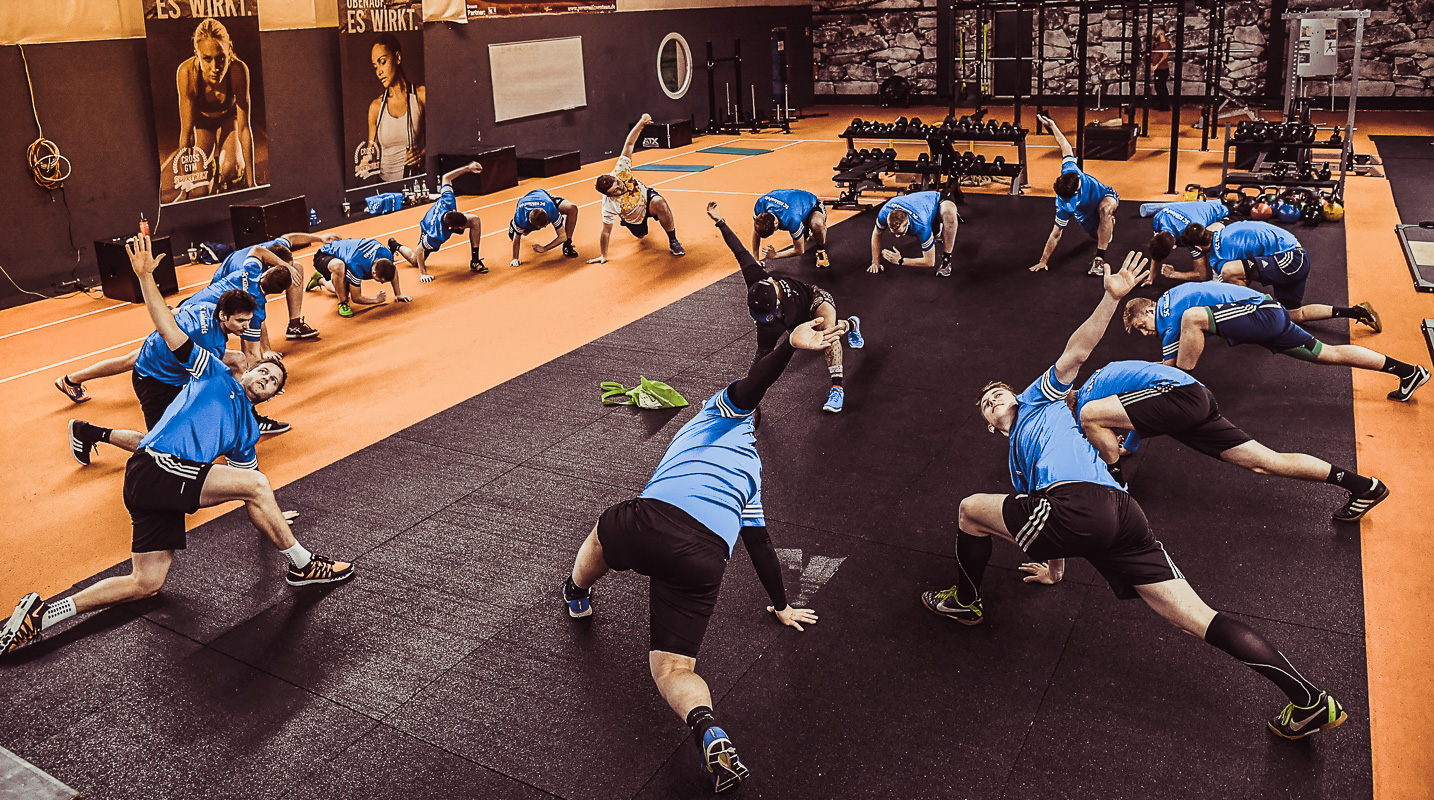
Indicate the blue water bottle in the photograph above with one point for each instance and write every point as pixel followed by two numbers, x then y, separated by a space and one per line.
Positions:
pixel 313 218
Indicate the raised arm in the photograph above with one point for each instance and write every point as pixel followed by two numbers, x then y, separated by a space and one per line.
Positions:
pixel 1088 335
pixel 1066 150
pixel 297 239
pixel 142 260
pixel 632 136
pixel 449 177
pixel 752 272
pixel 747 393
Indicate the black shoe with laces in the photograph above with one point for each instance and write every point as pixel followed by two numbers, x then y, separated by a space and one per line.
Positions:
pixel 393 244
pixel 569 250
pixel 267 425
pixel 478 266
pixel 1297 722
pixel 1359 505
pixel 1417 378
pixel 84 439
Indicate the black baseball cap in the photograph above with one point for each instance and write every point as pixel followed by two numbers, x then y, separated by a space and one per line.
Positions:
pixel 762 301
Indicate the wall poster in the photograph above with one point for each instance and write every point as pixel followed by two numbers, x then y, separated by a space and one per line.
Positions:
pixel 381 70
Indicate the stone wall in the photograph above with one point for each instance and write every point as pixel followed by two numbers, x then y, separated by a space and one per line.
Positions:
pixel 858 44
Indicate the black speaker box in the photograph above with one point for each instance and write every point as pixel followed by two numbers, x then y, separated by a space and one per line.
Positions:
pixel 117 278
pixel 500 170
pixel 1110 143
pixel 262 220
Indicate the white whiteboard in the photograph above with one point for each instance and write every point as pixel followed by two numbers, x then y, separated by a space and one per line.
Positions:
pixel 537 77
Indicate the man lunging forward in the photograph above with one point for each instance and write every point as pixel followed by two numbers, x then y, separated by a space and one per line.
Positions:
pixel 705 494
pixel 172 474
pixel 1069 505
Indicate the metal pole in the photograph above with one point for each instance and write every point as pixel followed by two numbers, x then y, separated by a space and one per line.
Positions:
pixel 1019 65
pixel 1081 79
pixel 1179 95
pixel 1040 65
pixel 1210 50
pixel 737 67
pixel 1353 100
pixel 711 88
pixel 1146 53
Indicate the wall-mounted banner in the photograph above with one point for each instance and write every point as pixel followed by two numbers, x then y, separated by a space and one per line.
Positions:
pixel 207 80
pixel 490 8
pixel 381 68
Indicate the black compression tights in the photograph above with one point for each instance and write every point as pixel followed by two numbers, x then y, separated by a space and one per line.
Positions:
pixel 1242 642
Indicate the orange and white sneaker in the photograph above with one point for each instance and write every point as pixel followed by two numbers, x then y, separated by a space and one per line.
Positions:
pixel 23 627
pixel 74 391
pixel 320 570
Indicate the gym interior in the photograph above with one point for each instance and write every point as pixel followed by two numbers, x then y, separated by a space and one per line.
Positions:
pixel 452 441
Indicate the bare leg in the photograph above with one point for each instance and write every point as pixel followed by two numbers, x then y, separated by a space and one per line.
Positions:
pixel 1108 205
pixel 950 220
pixel 1099 420
pixel 1178 604
pixel 826 312
pixel 147 574
pixel 663 212
pixel 227 483
pixel 475 235
pixel 1311 313
pixel 294 295
pixel 126 440
pixel 1256 457
pixel 980 515
pixel 589 565
pixel 408 254
pixel 571 215
pixel 105 368
pixel 1350 355
pixel 679 685
pixel 818 226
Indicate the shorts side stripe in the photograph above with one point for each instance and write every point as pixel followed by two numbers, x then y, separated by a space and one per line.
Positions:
pixel 173 466
pixel 1034 525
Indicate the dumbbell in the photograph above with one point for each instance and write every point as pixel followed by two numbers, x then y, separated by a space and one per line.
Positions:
pixel 962 130
pixel 913 187
pixel 966 121
pixel 1006 130
pixel 1337 137
pixel 999 162
pixel 845 162
pixel 949 122
pixel 916 122
pixel 864 155
pixel 923 158
pixel 980 159
pixel 890 153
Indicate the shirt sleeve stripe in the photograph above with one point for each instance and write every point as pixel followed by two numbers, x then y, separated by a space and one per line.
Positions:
pixel 728 410
pixel 200 365
pixel 250 464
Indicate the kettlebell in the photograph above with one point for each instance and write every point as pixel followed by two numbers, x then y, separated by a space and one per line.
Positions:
pixel 1324 172
pixel 1311 214
pixel 1262 211
pixel 1287 212
pixel 1333 211
pixel 1193 191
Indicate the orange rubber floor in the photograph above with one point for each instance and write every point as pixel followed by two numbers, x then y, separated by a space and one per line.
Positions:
pixel 391 366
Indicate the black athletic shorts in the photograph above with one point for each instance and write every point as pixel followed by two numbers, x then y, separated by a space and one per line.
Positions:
pixel 769 333
pixel 159 490
pixel 1101 524
pixel 640 229
pixel 683 559
pixel 321 264
pixel 1188 414
pixel 154 397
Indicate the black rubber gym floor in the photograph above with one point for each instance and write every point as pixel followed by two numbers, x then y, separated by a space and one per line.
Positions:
pixel 1409 165
pixel 448 668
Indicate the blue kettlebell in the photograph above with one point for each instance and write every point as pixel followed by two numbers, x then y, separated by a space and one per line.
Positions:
pixel 1288 212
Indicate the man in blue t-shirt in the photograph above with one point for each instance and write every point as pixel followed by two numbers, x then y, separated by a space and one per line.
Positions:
pixel 1084 199
pixel 537 210
pixel 924 216
pixel 705 494
pixel 443 220
pixel 277 253
pixel 1258 252
pixel 1067 504
pixel 1151 399
pixel 1170 222
pixel 1186 314
pixel 172 474
pixel 797 212
pixel 342 266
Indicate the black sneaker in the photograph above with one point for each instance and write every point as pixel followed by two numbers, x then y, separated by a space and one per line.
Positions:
pixel 1409 384
pixel 676 248
pixel 1297 722
pixel 319 570
pixel 1358 506
pixel 944 271
pixel 23 627
pixel 299 329
pixel 478 266
pixel 393 244
pixel 945 603
pixel 267 425
pixel 569 250
pixel 1369 317
pixel 84 439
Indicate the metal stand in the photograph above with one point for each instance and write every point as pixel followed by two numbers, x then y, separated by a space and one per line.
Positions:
pixel 1294 85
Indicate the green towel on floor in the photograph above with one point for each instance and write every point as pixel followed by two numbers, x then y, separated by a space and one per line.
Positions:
pixel 646 394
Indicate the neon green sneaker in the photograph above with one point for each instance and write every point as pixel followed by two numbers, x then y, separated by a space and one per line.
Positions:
pixel 1297 722
pixel 315 281
pixel 346 310
pixel 945 603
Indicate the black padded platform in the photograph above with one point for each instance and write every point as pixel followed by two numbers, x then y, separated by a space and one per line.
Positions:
pixel 1409 165
pixel 448 668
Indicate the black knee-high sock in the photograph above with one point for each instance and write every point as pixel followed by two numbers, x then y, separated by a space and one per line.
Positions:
pixel 1351 482
pixel 1399 368
pixel 699 720
pixel 1242 642
pixel 973 553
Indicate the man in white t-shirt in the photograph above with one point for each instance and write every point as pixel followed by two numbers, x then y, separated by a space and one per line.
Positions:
pixel 628 201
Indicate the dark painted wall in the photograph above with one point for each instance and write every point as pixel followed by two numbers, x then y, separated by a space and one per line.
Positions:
pixel 94 102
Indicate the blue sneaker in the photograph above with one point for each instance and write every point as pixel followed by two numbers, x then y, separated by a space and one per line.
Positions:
pixel 834 400
pixel 720 759
pixel 853 334
pixel 580 602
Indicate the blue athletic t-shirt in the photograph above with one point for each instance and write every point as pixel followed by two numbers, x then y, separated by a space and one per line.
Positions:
pixel 244 257
pixel 924 208
pixel 1173 304
pixel 791 207
pixel 1084 205
pixel 200 324
pixel 1176 217
pixel 358 256
pixel 1119 377
pixel 534 199
pixel 238 280
pixel 1046 444
pixel 1248 239
pixel 712 471
pixel 211 417
pixel 435 233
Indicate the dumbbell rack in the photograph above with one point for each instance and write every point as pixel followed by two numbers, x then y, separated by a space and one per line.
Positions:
pixel 865 176
pixel 1258 176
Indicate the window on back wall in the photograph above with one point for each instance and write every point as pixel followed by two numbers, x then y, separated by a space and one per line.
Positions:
pixel 674 65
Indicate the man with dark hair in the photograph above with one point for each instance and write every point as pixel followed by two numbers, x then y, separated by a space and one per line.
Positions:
pixel 923 215
pixel 537 210
pixel 1084 199
pixel 1170 222
pixel 1157 399
pixel 1186 314
pixel 341 267
pixel 629 201
pixel 278 253
pixel 680 531
pixel 1068 505
pixel 172 474
pixel 1255 251
pixel 780 303
pixel 442 220
pixel 797 212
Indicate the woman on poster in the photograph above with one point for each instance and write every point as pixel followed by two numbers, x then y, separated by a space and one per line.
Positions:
pixel 395 145
pixel 216 144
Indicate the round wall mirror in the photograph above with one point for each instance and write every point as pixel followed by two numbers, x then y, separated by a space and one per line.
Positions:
pixel 674 65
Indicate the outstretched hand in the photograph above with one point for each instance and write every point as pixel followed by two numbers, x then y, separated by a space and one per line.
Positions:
pixel 1039 572
pixel 1134 272
pixel 141 255
pixel 1039 267
pixel 794 617
pixel 712 212
pixel 807 336
pixel 1046 121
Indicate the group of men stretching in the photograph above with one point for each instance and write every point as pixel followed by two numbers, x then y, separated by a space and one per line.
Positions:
pixel 1066 441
